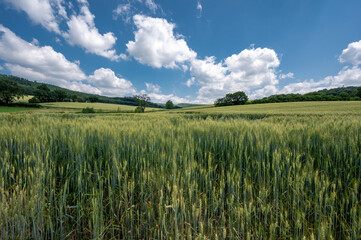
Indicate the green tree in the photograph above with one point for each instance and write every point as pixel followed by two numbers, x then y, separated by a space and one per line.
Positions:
pixel 9 90
pixel 236 98
pixel 43 93
pixel 141 102
pixel 74 98
pixel 169 105
pixel 60 95
pixel 93 99
pixel 345 96
pixel 358 92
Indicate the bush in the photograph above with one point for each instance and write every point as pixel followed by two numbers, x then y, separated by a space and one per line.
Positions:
pixel 33 100
pixel 237 98
pixel 139 109
pixel 88 110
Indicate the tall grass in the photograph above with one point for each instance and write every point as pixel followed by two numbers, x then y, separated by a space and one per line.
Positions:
pixel 174 177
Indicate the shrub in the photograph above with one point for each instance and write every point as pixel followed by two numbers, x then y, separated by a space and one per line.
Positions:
pixel 139 109
pixel 88 110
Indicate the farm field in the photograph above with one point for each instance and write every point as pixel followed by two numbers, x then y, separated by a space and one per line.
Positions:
pixel 23 99
pixel 199 173
pixel 298 108
pixel 107 107
pixel 14 109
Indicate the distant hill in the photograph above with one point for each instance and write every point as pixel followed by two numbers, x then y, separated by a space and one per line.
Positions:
pixel 186 105
pixel 337 91
pixel 30 86
pixel 335 94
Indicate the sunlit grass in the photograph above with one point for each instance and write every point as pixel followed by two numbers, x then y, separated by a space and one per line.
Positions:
pixel 96 106
pixel 337 107
pixel 170 175
pixel 14 109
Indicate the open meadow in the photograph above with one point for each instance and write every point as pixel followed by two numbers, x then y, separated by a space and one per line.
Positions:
pixel 267 171
pixel 106 107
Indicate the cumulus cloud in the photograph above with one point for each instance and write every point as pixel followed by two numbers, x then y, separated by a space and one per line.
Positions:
pixel 305 86
pixel 43 64
pixel 155 88
pixel 83 32
pixel 163 98
pixel 348 76
pixel 190 81
pixel 155 94
pixel 109 84
pixel 36 63
pixel 82 87
pixel 352 54
pixel 288 75
pixel 155 44
pixel 250 70
pixel 43 12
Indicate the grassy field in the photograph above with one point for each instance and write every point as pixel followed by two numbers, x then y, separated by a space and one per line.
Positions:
pixel 14 109
pixel 23 99
pixel 300 108
pixel 106 107
pixel 169 175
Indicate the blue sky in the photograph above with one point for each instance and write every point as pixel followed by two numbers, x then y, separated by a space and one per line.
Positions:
pixel 186 51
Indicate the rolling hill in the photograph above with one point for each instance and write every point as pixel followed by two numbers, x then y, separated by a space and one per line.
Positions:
pixel 30 86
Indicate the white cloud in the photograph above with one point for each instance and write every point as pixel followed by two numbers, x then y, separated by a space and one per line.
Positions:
pixel 41 12
pixel 43 64
pixel 109 84
pixel 200 9
pixel 190 81
pixel 352 54
pixel 154 88
pixel 82 32
pixel 288 75
pixel 124 11
pixel 304 87
pixel 1 67
pixel 155 44
pixel 81 87
pixel 35 42
pixel 250 70
pixel 346 77
pixel 36 63
pixel 151 5
pixel 163 98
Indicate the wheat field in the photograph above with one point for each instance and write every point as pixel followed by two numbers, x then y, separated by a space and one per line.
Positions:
pixel 180 176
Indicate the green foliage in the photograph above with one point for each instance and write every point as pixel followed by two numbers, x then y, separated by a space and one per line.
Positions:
pixel 29 88
pixel 60 95
pixel 237 98
pixel 9 91
pixel 33 100
pixel 142 102
pixel 88 110
pixel 139 109
pixel 43 94
pixel 74 98
pixel 358 92
pixel 93 99
pixel 154 176
pixel 336 94
pixel 169 105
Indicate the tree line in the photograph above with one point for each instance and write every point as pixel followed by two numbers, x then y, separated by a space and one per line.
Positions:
pixel 338 94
